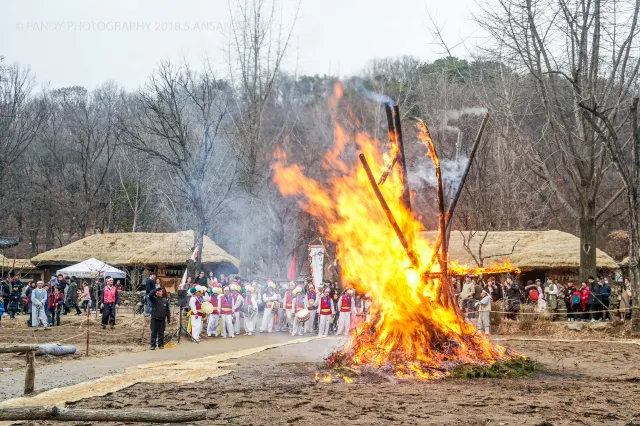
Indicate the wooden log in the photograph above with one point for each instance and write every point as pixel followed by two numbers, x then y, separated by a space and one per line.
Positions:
pixel 74 414
pixel 19 349
pixel 383 203
pixel 406 193
pixel 30 374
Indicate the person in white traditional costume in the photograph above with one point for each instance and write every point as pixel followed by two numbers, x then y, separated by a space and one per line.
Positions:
pixel 269 297
pixel 214 317
pixel 311 303
pixel 298 305
pixel 326 313
pixel 287 307
pixel 346 305
pixel 251 310
pixel 225 307
pixel 195 315
pixel 238 300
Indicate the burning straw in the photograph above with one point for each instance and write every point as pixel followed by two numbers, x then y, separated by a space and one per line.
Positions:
pixel 413 331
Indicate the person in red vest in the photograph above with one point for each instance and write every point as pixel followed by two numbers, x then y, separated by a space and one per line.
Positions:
pixel 109 298
pixel 251 310
pixel 298 304
pixel 311 303
pixel 287 305
pixel 346 305
pixel 238 300
pixel 225 307
pixel 214 317
pixel 326 313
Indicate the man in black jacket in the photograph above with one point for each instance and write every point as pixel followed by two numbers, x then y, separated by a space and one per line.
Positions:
pixel 159 313
pixel 149 285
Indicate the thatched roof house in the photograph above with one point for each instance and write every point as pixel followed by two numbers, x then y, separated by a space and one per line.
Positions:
pixel 527 250
pixel 16 264
pixel 136 249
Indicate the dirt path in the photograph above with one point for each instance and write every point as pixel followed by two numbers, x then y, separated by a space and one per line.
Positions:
pixel 76 371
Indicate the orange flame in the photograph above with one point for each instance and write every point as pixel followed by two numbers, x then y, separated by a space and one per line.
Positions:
pixel 415 333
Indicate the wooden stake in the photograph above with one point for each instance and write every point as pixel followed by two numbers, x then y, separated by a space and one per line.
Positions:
pixel 88 324
pixel 30 375
pixel 74 414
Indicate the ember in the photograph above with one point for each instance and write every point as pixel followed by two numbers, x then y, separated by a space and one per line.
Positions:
pixel 416 329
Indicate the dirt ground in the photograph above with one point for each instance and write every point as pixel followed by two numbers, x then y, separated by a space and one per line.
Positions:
pixel 128 336
pixel 584 382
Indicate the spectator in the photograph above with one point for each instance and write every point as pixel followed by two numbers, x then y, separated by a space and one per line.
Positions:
pixel 47 288
pixel 72 296
pixel 202 279
pixel 575 302
pixel 159 313
pixel 1 310
pixel 605 298
pixel 484 311
pixel 27 299
pixel 625 299
pixel 594 300
pixel 5 290
pixel 14 301
pixel 542 302
pixel 585 297
pixel 149 285
pixel 466 295
pixel 54 305
pixel 513 298
pixel 38 306
pixel 86 296
pixel 119 285
pixel 614 303
pixel 568 291
pixel 551 291
pixel 109 298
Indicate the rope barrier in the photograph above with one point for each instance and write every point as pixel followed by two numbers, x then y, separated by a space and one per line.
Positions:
pixel 560 312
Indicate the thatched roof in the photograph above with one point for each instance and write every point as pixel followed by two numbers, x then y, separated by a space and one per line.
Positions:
pixel 136 249
pixel 625 261
pixel 533 249
pixel 6 263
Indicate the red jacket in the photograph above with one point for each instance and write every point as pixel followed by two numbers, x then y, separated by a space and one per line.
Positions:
pixel 585 297
pixel 54 300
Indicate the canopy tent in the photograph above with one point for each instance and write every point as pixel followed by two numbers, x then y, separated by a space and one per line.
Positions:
pixel 92 268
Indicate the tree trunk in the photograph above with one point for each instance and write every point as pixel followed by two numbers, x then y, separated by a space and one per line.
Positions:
pixel 634 266
pixel 587 243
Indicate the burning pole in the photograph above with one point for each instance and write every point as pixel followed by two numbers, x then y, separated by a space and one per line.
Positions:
pixel 392 141
pixel 449 298
pixel 406 194
pixel 456 197
pixel 403 240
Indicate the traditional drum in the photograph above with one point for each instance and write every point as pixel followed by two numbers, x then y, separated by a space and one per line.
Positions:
pixel 275 307
pixel 206 307
pixel 303 315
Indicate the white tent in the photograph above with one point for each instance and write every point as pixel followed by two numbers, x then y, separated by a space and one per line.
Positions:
pixel 92 268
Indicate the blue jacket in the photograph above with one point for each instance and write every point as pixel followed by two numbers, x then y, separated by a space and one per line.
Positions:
pixel 1 308
pixel 605 291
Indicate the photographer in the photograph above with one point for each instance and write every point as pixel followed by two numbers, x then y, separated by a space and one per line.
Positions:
pixel 160 316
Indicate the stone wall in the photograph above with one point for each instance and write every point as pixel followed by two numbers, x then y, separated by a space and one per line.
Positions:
pixel 131 298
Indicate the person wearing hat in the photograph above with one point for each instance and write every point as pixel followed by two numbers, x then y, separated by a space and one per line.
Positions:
pixel 268 298
pixel 484 311
pixel 287 305
pixel 298 304
pixel 326 311
pixel 160 316
pixel 195 315
pixel 311 303
pixel 213 322
pixel 238 300
pixel 38 306
pixel 346 304
pixel 225 307
pixel 252 305
pixel 109 298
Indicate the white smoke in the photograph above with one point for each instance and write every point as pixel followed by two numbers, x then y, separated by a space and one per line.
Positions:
pixel 455 114
pixel 425 173
pixel 380 98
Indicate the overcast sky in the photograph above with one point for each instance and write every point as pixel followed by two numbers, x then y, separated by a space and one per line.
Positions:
pixel 80 42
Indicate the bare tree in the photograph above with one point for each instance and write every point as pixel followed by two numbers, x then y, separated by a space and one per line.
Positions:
pixel 257 48
pixel 21 115
pixel 178 122
pixel 561 47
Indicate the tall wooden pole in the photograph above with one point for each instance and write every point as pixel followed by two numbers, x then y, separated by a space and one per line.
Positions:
pixel 406 193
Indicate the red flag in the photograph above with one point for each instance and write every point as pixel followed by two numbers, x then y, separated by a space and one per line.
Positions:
pixel 291 275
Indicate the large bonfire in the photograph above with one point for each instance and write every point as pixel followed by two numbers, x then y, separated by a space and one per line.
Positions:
pixel 414 330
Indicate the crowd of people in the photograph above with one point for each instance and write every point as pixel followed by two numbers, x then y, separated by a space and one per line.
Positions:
pixel 592 300
pixel 43 303
pixel 217 307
